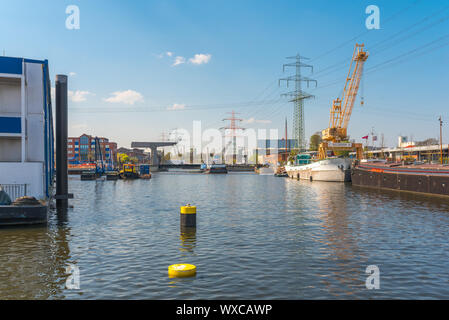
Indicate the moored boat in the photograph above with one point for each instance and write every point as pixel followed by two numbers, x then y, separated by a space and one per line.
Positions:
pixel 420 178
pixel 331 169
pixel 129 171
pixel 216 169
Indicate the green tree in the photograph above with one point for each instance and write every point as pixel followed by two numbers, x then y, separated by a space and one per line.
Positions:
pixel 315 141
pixel 122 157
pixel 292 155
pixel 167 156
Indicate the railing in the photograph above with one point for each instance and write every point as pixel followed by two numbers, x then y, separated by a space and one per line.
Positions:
pixel 15 191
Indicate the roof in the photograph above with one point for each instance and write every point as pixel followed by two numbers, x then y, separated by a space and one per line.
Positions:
pixel 12 65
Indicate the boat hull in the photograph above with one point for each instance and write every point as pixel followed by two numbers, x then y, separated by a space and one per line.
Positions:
pixel 331 170
pixel 432 182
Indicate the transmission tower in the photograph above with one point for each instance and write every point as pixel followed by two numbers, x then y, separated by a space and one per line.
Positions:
pixel 234 128
pixel 297 97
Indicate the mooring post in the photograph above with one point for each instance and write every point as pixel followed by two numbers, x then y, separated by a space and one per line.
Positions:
pixel 62 195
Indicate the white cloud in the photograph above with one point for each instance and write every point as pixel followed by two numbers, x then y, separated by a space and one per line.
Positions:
pixel 74 96
pixel 179 60
pixel 177 106
pixel 253 120
pixel 169 53
pixel 78 95
pixel 200 58
pixel 126 97
pixel 72 74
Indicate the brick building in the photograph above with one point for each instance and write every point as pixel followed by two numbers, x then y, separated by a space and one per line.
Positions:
pixel 82 149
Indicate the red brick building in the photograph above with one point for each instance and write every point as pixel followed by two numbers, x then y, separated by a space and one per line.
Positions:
pixel 82 149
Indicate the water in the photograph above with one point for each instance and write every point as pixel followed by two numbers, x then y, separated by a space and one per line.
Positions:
pixel 258 237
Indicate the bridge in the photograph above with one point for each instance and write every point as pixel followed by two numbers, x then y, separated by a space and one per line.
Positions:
pixel 153 146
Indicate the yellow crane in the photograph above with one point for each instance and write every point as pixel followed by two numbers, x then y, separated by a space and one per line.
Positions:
pixel 340 113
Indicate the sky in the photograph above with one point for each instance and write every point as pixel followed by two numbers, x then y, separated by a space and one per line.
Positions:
pixel 138 69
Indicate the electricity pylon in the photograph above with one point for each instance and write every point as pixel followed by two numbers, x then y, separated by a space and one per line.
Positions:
pixel 234 128
pixel 297 97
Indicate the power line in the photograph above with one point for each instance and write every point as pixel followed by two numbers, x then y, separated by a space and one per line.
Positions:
pixel 364 32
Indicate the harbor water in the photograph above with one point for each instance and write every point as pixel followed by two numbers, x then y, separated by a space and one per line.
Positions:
pixel 257 237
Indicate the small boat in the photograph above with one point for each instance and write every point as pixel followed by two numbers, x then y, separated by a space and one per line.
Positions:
pixel 144 170
pixel 112 175
pixel 280 172
pixel 216 169
pixel 129 171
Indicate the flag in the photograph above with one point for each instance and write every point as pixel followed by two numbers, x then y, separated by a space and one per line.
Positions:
pixel 365 137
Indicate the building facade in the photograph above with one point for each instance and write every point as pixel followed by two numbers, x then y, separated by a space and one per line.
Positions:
pixel 82 149
pixel 26 128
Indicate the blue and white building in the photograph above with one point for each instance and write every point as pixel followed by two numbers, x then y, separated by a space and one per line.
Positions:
pixel 26 128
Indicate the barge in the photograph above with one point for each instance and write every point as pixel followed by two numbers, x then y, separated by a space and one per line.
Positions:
pixel 216 169
pixel 430 179
pixel 26 140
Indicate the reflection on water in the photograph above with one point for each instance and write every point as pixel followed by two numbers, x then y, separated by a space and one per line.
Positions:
pixel 188 239
pixel 33 260
pixel 257 237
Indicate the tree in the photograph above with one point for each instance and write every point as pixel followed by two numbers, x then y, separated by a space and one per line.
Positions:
pixel 292 156
pixel 315 141
pixel 167 156
pixel 122 157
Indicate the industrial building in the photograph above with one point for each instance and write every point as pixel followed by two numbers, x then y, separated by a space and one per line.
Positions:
pixel 428 154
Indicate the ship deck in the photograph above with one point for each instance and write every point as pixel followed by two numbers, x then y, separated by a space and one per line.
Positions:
pixel 425 169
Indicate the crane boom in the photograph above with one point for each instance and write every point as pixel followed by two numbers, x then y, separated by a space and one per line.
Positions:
pixel 342 108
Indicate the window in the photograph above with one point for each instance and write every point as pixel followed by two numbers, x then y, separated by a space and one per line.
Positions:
pixel 84 140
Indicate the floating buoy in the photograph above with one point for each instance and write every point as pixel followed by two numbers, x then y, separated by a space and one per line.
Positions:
pixel 188 216
pixel 181 270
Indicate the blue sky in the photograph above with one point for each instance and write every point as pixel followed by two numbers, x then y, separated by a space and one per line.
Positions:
pixel 121 47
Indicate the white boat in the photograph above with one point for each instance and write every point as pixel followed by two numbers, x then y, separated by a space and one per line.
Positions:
pixel 332 169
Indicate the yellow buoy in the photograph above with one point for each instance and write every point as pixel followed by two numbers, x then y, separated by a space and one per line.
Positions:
pixel 188 209
pixel 181 270
pixel 188 216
